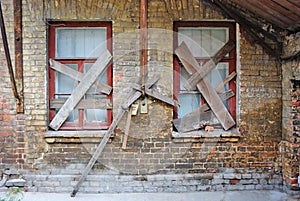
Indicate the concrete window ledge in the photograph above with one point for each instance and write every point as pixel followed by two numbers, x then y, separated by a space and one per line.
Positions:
pixel 232 135
pixel 74 136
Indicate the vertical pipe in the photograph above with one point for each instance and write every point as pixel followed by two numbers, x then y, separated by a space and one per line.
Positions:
pixel 19 51
pixel 7 54
pixel 143 41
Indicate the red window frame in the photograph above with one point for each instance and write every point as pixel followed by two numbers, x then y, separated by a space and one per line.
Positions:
pixel 231 60
pixel 81 125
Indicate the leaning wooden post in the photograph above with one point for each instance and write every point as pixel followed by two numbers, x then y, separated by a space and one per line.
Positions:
pixel 131 99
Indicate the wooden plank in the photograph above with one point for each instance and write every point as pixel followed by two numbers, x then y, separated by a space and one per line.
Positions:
pixel 102 103
pixel 157 95
pixel 216 104
pixel 209 93
pixel 191 63
pixel 227 79
pixel 98 151
pixel 199 117
pixel 153 92
pixel 126 134
pixel 87 81
pixel 103 88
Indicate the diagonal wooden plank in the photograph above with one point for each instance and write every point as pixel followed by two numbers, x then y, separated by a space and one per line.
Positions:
pixel 189 61
pixel 103 88
pixel 87 81
pixel 155 94
pixel 205 88
pixel 99 150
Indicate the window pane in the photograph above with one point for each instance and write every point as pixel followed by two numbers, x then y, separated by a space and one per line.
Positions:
pixel 79 42
pixel 188 103
pixel 102 78
pixel 95 115
pixel 217 75
pixel 203 41
pixel 184 76
pixel 65 85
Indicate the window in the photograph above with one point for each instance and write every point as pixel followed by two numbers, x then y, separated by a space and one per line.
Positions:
pixel 204 40
pixel 77 45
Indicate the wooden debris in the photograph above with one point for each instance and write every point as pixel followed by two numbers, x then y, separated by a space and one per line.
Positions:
pixel 198 118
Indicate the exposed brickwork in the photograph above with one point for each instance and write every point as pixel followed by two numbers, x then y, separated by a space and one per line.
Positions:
pixel 291 138
pixel 155 183
pixel 253 160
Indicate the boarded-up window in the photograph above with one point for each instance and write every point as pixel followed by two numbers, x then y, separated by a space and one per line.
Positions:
pixel 78 45
pixel 204 40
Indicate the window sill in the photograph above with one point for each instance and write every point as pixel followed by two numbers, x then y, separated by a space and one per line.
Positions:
pixel 74 136
pixel 231 135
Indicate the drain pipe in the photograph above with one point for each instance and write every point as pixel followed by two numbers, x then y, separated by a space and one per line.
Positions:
pixel 8 59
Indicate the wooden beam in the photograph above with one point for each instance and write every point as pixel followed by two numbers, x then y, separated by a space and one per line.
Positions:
pixel 208 92
pixel 89 78
pixel 264 11
pixel 103 103
pixel 19 53
pixel 62 68
pixel 249 27
pixel 143 40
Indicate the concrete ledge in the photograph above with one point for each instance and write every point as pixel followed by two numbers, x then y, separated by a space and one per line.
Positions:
pixel 217 133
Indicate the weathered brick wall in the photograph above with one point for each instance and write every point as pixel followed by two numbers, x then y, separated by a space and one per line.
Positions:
pixel 290 122
pixel 249 162
pixel 12 126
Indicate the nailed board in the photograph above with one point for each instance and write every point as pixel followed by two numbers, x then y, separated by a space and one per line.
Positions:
pixel 83 104
pixel 204 86
pixel 190 63
pixel 89 78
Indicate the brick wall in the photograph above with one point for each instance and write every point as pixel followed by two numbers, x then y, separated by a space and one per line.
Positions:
pixel 290 86
pixel 249 162
pixel 12 126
